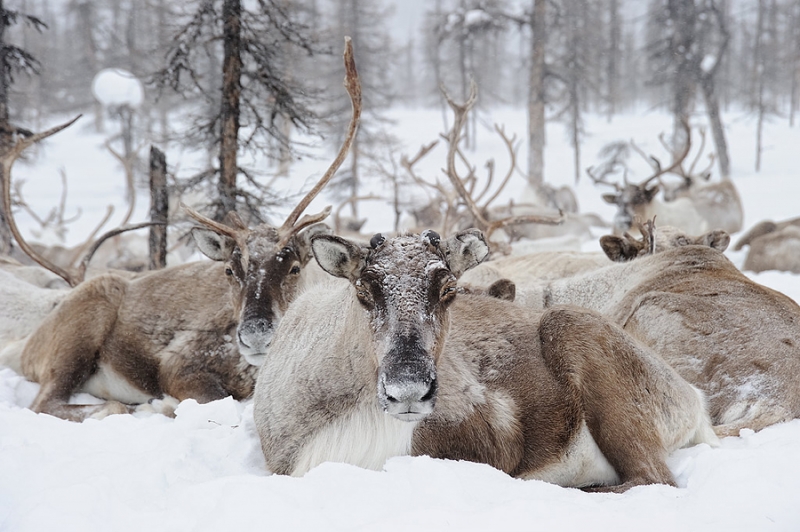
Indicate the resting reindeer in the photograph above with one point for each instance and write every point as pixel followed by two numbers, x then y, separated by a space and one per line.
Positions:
pixel 186 331
pixel 773 246
pixel 734 339
pixel 394 363
pixel 537 268
pixel 696 207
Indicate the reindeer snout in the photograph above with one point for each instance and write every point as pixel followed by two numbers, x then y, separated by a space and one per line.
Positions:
pixel 254 336
pixel 407 391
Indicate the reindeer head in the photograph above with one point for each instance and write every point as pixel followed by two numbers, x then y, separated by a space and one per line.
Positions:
pixel 625 248
pixel 264 266
pixel 631 201
pixel 405 285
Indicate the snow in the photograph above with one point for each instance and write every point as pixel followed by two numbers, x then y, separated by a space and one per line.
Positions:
pixel 204 470
pixel 116 86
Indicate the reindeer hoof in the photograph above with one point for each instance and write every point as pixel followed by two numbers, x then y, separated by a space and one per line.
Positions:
pixel 109 409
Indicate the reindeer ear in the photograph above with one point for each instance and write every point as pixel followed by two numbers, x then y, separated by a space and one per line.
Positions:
pixel 504 289
pixel 618 249
pixel 302 240
pixel 465 250
pixel 718 240
pixel 610 198
pixel 650 193
pixel 338 257
pixel 213 245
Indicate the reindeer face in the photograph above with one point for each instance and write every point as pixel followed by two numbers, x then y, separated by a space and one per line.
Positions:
pixel 264 279
pixel 632 201
pixel 405 285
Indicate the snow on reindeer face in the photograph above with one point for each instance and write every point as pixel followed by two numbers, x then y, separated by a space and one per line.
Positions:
pixel 406 287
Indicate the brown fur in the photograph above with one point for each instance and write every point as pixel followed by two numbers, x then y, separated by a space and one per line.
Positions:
pixel 170 332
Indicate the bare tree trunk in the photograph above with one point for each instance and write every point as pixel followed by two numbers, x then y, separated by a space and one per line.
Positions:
pixel 6 239
pixel 717 131
pixel 793 96
pixel 684 15
pixel 613 56
pixel 229 117
pixel 536 96
pixel 759 76
pixel 159 207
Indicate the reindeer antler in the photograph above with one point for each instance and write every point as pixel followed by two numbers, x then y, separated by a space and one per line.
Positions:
pixel 352 84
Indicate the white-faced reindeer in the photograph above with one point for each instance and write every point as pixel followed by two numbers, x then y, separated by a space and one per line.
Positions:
pixel 395 363
pixel 186 331
pixel 695 205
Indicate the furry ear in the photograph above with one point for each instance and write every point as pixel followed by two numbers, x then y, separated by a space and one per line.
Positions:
pixel 650 193
pixel 610 198
pixel 302 240
pixel 465 250
pixel 718 240
pixel 213 245
pixel 503 289
pixel 619 249
pixel 338 257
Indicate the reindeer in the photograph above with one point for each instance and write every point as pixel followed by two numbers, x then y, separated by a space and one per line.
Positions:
pixel 736 340
pixel 695 207
pixel 773 246
pixel 394 362
pixel 188 331
pixel 533 269
pixel 778 250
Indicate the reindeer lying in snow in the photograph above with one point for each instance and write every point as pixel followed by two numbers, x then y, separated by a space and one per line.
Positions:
pixel 564 396
pixel 186 331
pixel 734 339
pixel 773 246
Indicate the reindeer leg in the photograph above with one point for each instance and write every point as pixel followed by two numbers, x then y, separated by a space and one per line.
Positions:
pixel 636 407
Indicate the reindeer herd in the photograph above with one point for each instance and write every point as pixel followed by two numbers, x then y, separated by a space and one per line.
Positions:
pixel 581 369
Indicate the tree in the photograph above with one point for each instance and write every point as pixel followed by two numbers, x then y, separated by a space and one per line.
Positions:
pixel 13 59
pixel 687 54
pixel 254 89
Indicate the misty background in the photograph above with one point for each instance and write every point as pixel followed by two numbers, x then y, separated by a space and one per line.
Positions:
pixel 237 77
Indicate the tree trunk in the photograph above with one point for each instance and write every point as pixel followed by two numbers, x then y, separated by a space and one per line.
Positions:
pixel 536 96
pixel 759 77
pixel 6 239
pixel 684 16
pixel 613 57
pixel 229 116
pixel 159 207
pixel 720 144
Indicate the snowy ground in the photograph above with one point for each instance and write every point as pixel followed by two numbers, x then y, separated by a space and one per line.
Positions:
pixel 203 470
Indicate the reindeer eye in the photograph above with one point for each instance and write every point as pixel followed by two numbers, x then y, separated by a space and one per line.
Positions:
pixel 295 269
pixel 228 271
pixel 448 292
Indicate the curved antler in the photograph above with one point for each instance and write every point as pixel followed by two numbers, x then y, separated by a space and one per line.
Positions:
pixel 352 84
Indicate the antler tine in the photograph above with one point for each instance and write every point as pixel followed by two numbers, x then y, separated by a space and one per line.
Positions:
pixel 7 162
pixel 601 180
pixel 677 162
pixel 211 224
pixel 512 152
pixel 459 119
pixel 352 84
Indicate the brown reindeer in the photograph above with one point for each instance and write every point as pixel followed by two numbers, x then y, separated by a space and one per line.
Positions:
pixel 736 340
pixel 395 362
pixel 186 331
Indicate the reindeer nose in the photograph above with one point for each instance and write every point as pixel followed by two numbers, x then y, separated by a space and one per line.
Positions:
pixel 255 336
pixel 408 398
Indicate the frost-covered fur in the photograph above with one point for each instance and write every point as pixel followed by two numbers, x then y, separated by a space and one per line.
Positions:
pixel 183 331
pixel 564 396
pixel 734 339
